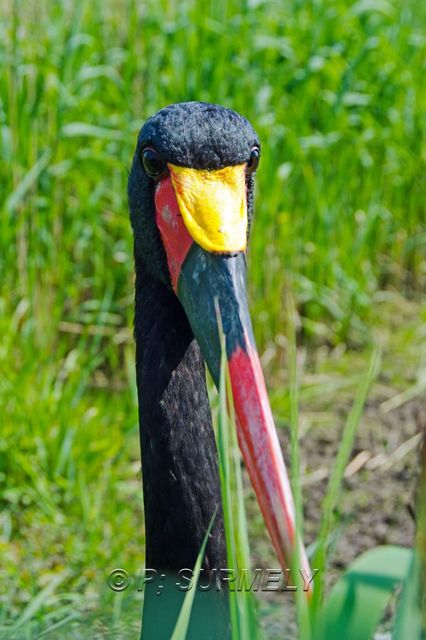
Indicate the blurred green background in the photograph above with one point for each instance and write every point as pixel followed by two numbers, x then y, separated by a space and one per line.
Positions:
pixel 336 92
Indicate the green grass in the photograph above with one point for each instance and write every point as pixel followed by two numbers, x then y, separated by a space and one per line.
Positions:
pixel 336 92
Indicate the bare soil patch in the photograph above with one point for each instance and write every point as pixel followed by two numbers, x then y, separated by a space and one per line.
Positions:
pixel 377 505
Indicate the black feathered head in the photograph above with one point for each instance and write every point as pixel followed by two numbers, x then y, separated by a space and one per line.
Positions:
pixel 205 150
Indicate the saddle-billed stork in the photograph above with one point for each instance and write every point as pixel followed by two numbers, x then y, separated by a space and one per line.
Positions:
pixel 191 203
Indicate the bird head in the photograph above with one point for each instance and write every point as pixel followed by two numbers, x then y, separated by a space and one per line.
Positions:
pixel 204 152
pixel 191 204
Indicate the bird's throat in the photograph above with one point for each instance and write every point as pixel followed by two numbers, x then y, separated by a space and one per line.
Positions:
pixel 179 457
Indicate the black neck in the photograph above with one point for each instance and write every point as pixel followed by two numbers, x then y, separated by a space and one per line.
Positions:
pixel 179 457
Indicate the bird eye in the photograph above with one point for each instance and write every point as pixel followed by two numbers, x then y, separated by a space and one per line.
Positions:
pixel 154 166
pixel 253 161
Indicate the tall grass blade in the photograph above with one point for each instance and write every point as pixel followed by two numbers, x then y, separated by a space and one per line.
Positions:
pixel 411 612
pixel 421 528
pixel 336 478
pixel 20 191
pixel 303 618
pixel 182 624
